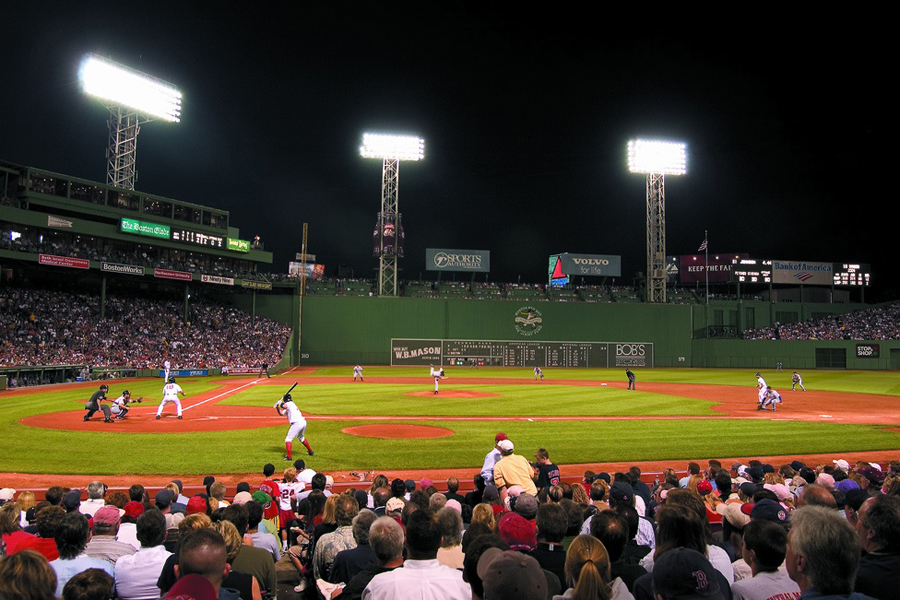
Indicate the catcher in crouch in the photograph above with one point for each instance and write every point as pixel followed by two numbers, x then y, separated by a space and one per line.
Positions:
pixel 286 407
pixel 120 404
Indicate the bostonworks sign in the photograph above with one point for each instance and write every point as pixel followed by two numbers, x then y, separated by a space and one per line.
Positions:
pixel 472 261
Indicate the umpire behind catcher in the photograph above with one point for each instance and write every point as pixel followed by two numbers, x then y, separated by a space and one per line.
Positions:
pixel 96 403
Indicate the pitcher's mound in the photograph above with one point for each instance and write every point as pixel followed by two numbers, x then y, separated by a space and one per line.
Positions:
pixel 404 432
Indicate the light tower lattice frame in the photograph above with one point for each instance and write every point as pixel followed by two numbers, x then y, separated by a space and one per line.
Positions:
pixel 656 237
pixel 387 261
pixel 121 154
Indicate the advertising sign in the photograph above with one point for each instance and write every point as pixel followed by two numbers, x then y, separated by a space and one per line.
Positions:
pixel 694 268
pixel 238 245
pixel 217 279
pixel 170 274
pixel 64 261
pixel 145 228
pixel 109 267
pixel 800 272
pixel 591 265
pixel 252 284
pixel 415 352
pixel 446 259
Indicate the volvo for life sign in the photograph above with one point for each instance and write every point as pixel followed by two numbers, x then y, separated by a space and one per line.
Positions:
pixel 444 259
pixel 602 265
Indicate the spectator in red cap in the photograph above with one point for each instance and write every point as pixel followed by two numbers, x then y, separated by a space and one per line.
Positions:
pixel 197 504
pixel 487 469
pixel 103 542
pixel 128 526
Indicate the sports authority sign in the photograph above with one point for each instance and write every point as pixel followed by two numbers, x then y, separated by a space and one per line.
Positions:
pixel 800 272
pixel 470 261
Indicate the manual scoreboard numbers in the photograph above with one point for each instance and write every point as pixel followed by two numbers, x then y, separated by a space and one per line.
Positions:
pixel 521 353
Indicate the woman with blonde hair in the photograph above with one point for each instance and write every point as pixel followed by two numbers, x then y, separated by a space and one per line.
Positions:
pixel 587 573
pixel 484 513
pixel 244 583
pixel 25 501
pixel 579 496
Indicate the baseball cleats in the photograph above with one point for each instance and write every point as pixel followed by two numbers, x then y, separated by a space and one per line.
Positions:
pixel 286 457
pixel 108 421
pixel 86 419
pixel 179 416
pixel 157 417
pixel 310 452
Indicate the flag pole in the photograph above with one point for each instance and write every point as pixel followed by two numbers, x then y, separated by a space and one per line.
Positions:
pixel 706 251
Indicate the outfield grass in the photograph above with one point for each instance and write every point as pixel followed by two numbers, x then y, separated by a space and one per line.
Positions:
pixel 106 451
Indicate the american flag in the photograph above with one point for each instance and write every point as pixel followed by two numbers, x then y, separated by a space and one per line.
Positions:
pixel 702 246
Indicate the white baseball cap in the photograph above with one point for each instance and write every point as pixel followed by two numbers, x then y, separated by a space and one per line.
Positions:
pixel 505 445
pixel 842 464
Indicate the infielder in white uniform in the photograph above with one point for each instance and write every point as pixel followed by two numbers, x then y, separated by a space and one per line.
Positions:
pixel 170 394
pixel 795 381
pixel 761 388
pixel 538 374
pixel 773 399
pixel 438 374
pixel 287 407
pixel 358 372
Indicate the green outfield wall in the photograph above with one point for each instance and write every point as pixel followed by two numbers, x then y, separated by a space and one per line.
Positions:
pixel 346 330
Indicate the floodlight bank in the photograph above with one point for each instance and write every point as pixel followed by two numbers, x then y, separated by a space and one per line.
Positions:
pixel 392 147
pixel 667 158
pixel 124 86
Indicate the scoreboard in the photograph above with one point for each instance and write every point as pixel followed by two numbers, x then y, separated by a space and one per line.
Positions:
pixel 521 353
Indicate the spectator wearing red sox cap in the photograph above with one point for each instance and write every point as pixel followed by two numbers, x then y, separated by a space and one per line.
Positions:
pixel 491 458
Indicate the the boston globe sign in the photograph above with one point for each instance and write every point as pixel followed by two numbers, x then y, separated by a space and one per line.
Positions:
pixel 446 259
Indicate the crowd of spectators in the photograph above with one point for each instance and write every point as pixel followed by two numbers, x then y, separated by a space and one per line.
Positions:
pixel 45 327
pixel 879 323
pixel 746 532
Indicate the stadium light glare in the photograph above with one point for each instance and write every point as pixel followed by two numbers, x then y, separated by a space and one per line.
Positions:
pixel 666 158
pixel 121 85
pixel 392 147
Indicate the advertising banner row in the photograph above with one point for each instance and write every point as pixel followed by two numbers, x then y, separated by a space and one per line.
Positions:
pixel 738 267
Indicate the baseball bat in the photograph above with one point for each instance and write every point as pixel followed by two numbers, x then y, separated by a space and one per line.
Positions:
pixel 292 388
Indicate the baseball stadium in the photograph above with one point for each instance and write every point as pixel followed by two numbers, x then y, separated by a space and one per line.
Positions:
pixel 209 309
pixel 146 341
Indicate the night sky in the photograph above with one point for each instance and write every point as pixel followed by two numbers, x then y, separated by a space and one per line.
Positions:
pixel 525 118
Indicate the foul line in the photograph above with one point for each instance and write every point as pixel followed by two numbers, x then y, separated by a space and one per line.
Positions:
pixel 225 393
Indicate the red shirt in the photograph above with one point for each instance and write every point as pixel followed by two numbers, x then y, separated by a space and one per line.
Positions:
pixel 270 510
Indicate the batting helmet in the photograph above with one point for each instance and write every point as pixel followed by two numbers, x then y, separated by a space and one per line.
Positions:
pixel 286 398
pixel 104 387
pixel 171 379
pixel 126 393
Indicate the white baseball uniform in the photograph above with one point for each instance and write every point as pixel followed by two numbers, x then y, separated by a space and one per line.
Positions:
pixel 357 372
pixel 118 405
pixel 170 394
pixel 295 418
pixel 761 388
pixel 437 374
pixel 167 366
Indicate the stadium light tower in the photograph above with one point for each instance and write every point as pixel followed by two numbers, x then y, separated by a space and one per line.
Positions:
pixel 389 230
pixel 657 159
pixel 132 98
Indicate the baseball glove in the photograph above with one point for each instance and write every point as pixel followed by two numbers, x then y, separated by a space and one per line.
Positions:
pixel 138 400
